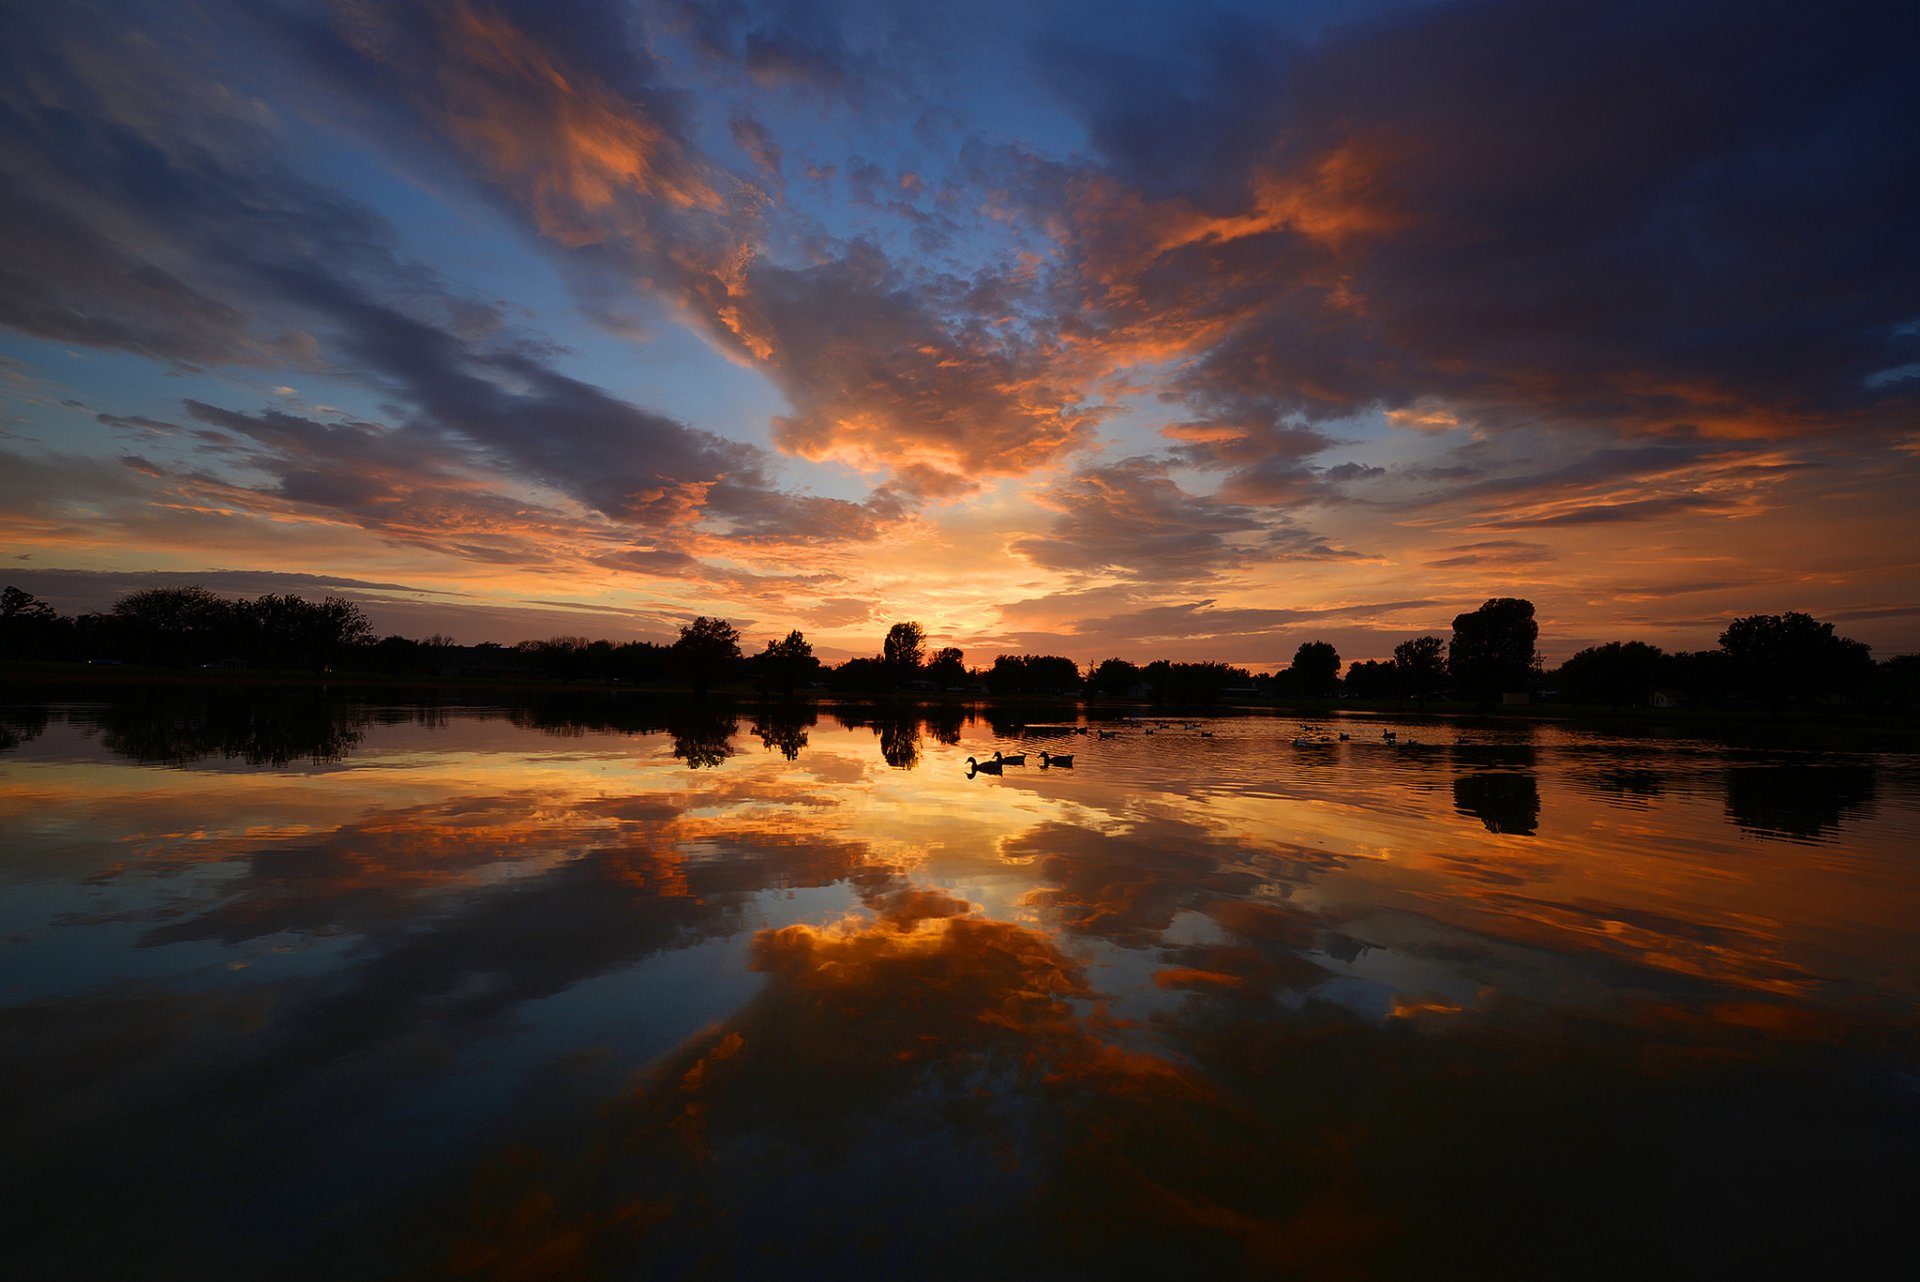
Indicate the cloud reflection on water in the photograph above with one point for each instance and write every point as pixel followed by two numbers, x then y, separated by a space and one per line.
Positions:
pixel 1208 1005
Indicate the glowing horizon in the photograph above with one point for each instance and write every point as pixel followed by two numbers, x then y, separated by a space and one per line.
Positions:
pixel 1187 333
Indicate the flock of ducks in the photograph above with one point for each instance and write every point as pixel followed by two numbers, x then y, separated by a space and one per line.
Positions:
pixel 1322 740
pixel 1313 738
pixel 1001 760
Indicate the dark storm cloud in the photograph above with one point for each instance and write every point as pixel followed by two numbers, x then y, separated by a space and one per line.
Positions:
pixel 1635 214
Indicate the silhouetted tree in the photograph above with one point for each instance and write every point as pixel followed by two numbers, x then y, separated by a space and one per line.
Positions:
pixel 1779 658
pixel 1033 674
pixel 175 626
pixel 1898 682
pixel 901 651
pixel 1420 664
pixel 29 627
pixel 1192 682
pixel 948 667
pixel 706 653
pixel 1492 650
pixel 1113 678
pixel 563 658
pixel 1372 679
pixel 1315 669
pixel 787 662
pixel 1614 673
pixel 856 675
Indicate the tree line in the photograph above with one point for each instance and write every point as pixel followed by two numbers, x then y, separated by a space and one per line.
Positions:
pixel 1768 660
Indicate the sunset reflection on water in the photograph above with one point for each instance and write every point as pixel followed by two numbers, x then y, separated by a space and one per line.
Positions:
pixel 599 990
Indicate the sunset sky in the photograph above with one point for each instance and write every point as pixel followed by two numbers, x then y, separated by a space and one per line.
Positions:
pixel 1188 330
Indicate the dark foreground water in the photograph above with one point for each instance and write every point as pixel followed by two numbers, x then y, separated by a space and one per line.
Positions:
pixel 302 989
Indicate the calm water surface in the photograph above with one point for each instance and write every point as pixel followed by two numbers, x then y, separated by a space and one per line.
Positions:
pixel 302 988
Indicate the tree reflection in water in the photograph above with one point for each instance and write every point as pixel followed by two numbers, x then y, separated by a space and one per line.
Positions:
pixel 944 722
pixel 265 728
pixel 702 732
pixel 835 1021
pixel 899 740
pixel 783 727
pixel 1805 801
pixel 21 725
pixel 1505 803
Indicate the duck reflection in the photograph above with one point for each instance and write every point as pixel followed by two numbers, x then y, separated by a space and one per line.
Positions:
pixel 1800 801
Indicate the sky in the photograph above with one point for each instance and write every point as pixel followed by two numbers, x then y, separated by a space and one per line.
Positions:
pixel 1190 331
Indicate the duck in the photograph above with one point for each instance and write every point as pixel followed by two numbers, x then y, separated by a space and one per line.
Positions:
pixel 1110 734
pixel 1009 759
pixel 1391 736
pixel 1055 759
pixel 1344 736
pixel 982 767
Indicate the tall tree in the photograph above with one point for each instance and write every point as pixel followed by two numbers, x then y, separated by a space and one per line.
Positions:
pixel 29 627
pixel 706 653
pixel 1615 673
pixel 1114 678
pixel 1420 665
pixel 903 647
pixel 1778 658
pixel 948 667
pixel 175 626
pixel 1315 669
pixel 789 661
pixel 1492 650
pixel 1371 679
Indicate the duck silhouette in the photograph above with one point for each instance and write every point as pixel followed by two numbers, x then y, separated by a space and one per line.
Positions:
pixel 982 767
pixel 1055 759
pixel 1009 759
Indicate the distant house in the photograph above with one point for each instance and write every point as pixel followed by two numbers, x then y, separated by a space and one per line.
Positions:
pixel 1664 698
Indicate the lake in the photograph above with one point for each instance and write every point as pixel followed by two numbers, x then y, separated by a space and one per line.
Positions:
pixel 592 988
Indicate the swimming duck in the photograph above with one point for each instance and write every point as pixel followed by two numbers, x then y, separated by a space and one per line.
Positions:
pixel 1009 759
pixel 1055 759
pixel 982 767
